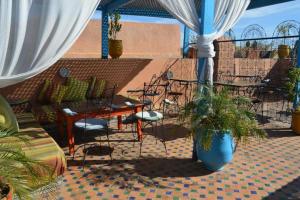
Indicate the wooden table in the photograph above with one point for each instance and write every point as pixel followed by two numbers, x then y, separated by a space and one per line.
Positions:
pixel 93 110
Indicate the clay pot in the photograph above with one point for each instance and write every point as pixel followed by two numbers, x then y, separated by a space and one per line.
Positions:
pixel 283 51
pixel 115 48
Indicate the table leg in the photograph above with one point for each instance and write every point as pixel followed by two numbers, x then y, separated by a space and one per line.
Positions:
pixel 119 122
pixel 71 142
pixel 139 125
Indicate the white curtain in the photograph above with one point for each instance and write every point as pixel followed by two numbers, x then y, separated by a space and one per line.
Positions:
pixel 227 13
pixel 36 33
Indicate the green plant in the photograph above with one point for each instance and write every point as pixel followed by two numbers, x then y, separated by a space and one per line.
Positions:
pixel 17 171
pixel 214 113
pixel 114 25
pixel 290 85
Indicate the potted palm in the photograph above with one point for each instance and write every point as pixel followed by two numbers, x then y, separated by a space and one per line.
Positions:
pixel 283 49
pixel 115 45
pixel 218 123
pixel 19 174
pixel 290 86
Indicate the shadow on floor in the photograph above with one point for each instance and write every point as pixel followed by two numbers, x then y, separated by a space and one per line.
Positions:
pixel 148 167
pixel 168 132
pixel 288 191
pixel 280 132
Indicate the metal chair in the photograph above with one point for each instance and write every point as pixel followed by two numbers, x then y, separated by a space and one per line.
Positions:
pixel 148 115
pixel 100 126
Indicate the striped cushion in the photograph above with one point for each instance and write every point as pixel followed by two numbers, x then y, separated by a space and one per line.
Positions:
pixel 91 87
pixel 42 93
pixel 41 146
pixel 76 90
pixel 45 113
pixel 99 89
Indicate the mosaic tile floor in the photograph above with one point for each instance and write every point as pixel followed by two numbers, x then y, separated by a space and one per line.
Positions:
pixel 261 170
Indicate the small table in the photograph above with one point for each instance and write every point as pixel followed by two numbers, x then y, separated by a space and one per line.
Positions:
pixel 83 110
pixel 239 85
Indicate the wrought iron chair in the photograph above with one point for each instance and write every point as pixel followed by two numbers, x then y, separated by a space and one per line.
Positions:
pixel 149 115
pixel 101 126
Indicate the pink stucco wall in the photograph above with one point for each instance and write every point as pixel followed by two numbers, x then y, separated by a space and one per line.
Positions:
pixel 140 40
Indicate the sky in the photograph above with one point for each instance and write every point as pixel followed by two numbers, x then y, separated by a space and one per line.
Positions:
pixel 268 17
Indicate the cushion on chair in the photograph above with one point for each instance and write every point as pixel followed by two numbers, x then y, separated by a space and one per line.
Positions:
pixel 76 90
pixel 8 119
pixel 169 102
pixel 91 124
pixel 149 115
pixel 129 119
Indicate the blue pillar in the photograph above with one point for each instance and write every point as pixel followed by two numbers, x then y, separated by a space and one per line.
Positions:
pixel 186 37
pixel 297 98
pixel 207 12
pixel 105 27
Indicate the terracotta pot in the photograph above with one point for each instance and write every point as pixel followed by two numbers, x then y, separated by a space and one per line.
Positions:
pixel 283 51
pixel 296 122
pixel 115 48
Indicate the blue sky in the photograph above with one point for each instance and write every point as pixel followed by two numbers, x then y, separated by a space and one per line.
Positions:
pixel 267 17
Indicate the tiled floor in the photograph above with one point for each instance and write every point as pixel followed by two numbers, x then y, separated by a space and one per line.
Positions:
pixel 268 169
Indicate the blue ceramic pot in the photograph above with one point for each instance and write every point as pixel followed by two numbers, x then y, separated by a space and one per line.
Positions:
pixel 220 153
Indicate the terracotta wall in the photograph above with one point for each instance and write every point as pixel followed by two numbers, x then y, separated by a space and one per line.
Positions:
pixel 140 40
pixel 127 73
pixel 275 69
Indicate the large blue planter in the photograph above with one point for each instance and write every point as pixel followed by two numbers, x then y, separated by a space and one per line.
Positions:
pixel 220 153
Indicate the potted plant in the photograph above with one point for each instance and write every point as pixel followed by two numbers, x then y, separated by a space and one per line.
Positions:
pixel 115 45
pixel 290 86
pixel 19 174
pixel 218 123
pixel 283 49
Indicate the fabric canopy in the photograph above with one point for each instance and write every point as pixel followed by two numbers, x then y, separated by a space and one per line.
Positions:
pixel 227 14
pixel 36 33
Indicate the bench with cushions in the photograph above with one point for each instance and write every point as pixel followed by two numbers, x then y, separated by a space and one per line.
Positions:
pixel 41 146
pixel 51 94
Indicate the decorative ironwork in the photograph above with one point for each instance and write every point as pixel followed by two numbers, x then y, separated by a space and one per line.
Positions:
pixel 284 29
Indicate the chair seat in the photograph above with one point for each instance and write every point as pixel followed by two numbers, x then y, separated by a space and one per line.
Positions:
pixel 149 115
pixel 129 119
pixel 169 102
pixel 92 124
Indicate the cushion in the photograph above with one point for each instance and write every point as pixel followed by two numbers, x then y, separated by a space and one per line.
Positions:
pixel 149 115
pixel 99 89
pixel 130 119
pixel 51 93
pixel 55 93
pixel 76 90
pixel 45 113
pixel 8 119
pixel 41 95
pixel 92 84
pixel 91 124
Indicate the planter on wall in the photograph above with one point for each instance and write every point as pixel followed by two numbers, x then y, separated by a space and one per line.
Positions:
pixel 220 153
pixel 283 51
pixel 296 122
pixel 115 48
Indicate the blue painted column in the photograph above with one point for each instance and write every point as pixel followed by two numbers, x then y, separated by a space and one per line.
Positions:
pixel 186 37
pixel 207 12
pixel 297 98
pixel 105 27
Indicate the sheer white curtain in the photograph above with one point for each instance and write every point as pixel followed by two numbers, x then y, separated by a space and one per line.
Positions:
pixel 227 13
pixel 36 33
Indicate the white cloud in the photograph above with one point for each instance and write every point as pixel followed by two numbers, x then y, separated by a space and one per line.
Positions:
pixel 271 10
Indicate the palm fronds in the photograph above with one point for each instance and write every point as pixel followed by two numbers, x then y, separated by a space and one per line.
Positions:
pixel 20 172
pixel 217 112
